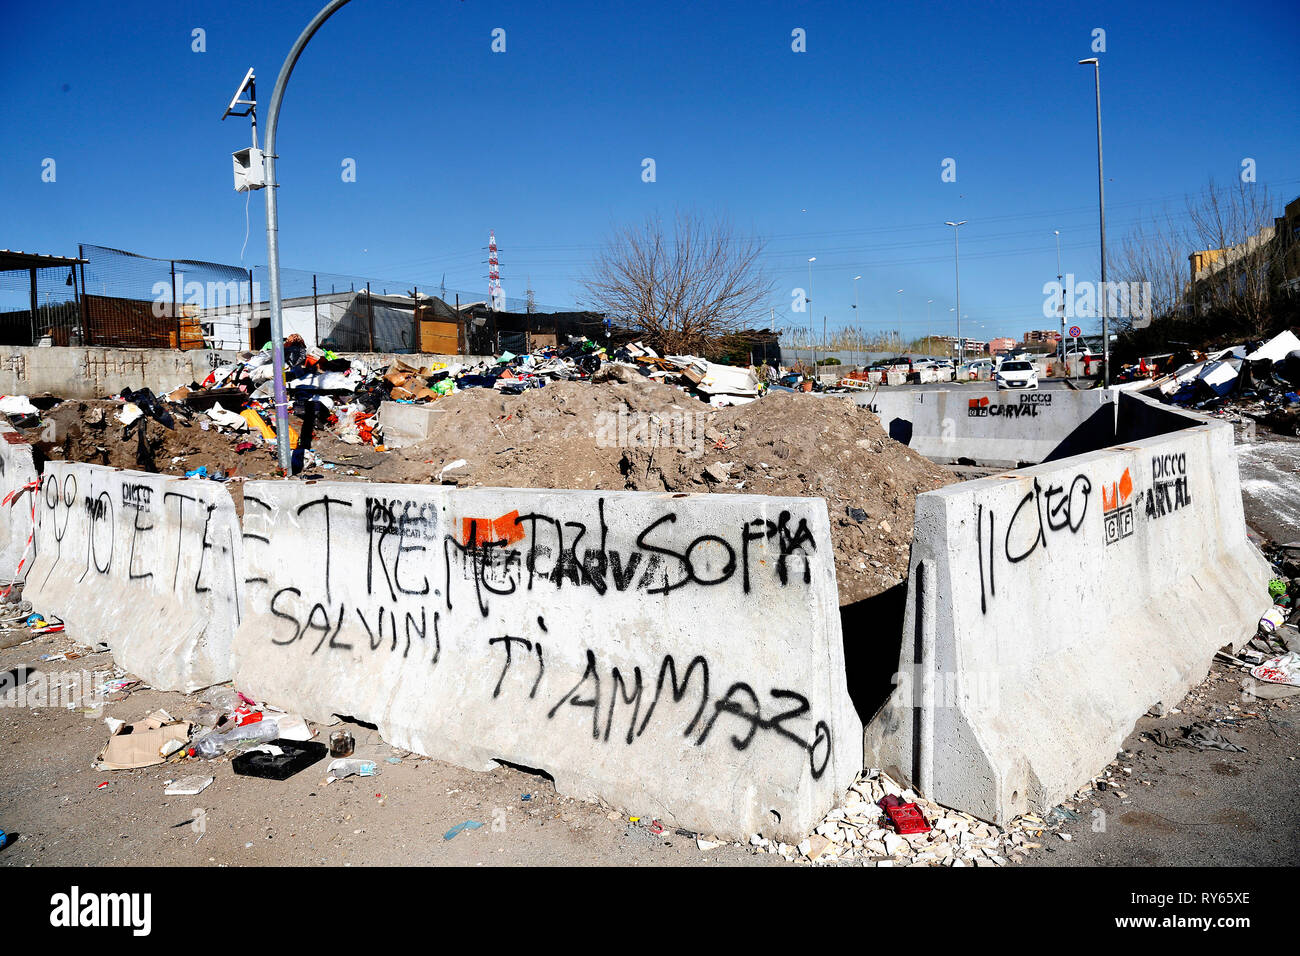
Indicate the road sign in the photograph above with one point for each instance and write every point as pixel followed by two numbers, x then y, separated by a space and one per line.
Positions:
pixel 1075 331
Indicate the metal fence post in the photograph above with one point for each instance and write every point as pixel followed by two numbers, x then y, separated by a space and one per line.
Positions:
pixel 315 310
pixel 86 337
pixel 252 312
pixel 370 317
pixel 175 315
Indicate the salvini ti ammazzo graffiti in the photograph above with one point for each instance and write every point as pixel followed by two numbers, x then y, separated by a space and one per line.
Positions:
pixel 478 560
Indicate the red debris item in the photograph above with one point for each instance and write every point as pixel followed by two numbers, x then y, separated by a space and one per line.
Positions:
pixel 102 786
pixel 244 446
pixel 656 827
pixel 245 716
pixel 906 817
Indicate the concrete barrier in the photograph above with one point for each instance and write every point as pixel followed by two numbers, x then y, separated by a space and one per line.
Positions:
pixel 151 565
pixel 17 496
pixel 1049 608
pixel 676 655
pixel 1001 429
pixel 406 424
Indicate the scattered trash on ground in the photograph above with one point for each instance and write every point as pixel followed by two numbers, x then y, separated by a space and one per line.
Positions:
pixel 1202 735
pixel 189 786
pixel 460 828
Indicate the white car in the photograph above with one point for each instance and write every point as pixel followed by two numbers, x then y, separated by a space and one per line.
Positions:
pixel 1016 375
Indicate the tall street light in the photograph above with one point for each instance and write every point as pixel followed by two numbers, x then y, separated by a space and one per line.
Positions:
pixel 900 322
pixel 855 312
pixel 1101 205
pixel 1061 288
pixel 273 235
pixel 808 304
pixel 929 339
pixel 956 248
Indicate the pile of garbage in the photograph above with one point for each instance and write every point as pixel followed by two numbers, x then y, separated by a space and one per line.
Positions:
pixel 344 395
pixel 1261 379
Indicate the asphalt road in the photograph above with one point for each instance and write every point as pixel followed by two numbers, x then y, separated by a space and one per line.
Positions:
pixel 1186 807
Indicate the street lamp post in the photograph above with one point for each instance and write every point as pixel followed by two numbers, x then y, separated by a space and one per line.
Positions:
pixel 1061 308
pixel 283 452
pixel 929 338
pixel 956 247
pixel 808 301
pixel 855 317
pixel 1101 206
pixel 900 322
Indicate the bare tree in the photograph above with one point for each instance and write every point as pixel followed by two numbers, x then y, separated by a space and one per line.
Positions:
pixel 685 291
pixel 1231 227
pixel 1236 224
pixel 1153 256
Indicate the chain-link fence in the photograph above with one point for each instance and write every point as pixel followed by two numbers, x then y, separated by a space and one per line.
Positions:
pixel 120 299
pixel 135 301
pixel 40 302
pixel 351 313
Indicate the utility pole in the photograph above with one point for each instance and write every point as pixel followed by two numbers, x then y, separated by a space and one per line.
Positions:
pixel 956 246
pixel 1101 206
pixel 1061 308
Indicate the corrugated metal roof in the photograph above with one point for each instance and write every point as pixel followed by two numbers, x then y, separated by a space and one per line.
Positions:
pixel 13 259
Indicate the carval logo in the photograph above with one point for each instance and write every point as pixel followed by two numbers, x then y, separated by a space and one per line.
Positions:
pixel 1115 508
pixel 978 407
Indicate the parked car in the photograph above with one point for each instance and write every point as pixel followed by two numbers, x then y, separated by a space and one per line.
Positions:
pixel 901 363
pixel 976 366
pixel 1017 374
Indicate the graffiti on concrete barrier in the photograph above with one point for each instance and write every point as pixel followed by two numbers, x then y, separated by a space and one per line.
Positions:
pixel 1027 405
pixel 139 537
pixel 1169 490
pixel 1041 514
pixel 1116 509
pixel 427 589
pixel 630 692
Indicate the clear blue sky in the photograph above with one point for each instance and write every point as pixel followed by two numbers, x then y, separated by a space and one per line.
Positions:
pixel 834 153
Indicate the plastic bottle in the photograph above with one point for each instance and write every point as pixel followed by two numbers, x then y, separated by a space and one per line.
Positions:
pixel 215 744
pixel 348 766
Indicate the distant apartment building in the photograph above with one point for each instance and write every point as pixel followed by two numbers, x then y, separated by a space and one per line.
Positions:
pixel 1266 262
pixel 972 345
pixel 1004 344
pixel 1042 337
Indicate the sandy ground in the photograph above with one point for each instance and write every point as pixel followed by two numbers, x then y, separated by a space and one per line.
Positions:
pixel 55 813
pixel 1175 807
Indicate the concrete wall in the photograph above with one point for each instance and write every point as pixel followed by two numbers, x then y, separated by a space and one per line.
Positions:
pixel 99 372
pixel 1049 608
pixel 151 565
pixel 676 655
pixel 17 471
pixel 1001 429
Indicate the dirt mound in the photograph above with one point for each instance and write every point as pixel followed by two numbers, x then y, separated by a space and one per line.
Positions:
pixel 641 436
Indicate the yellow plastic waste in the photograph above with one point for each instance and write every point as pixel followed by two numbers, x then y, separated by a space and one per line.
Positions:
pixel 255 421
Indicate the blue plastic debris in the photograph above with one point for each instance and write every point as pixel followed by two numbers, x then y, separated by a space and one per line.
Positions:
pixel 458 828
